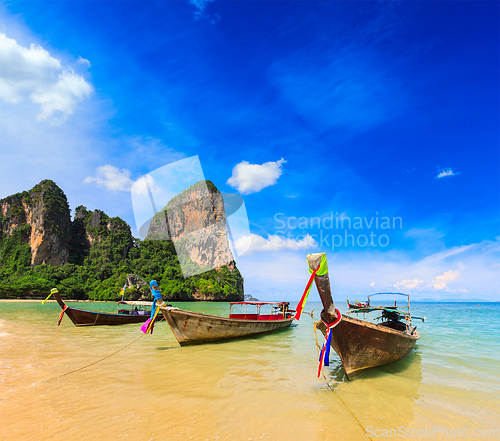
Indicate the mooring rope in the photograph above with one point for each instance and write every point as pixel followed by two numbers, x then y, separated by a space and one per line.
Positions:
pixel 331 388
pixel 98 361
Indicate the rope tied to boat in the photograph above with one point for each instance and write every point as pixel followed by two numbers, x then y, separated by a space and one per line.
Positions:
pixel 324 356
pixel 97 361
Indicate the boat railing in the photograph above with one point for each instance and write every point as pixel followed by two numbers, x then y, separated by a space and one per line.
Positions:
pixel 280 313
pixel 402 311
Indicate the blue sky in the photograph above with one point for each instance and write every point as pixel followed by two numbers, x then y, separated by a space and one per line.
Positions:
pixel 378 109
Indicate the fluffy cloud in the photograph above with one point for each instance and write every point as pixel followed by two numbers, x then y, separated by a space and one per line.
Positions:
pixel 408 284
pixel 250 178
pixel 254 243
pixel 446 172
pixel 441 282
pixel 111 177
pixel 33 74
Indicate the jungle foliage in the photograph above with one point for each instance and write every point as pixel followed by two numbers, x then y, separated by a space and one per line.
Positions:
pixel 104 271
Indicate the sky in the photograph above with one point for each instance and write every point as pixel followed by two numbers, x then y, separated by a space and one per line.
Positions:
pixel 367 130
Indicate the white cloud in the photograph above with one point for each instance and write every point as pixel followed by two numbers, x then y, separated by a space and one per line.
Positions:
pixel 33 74
pixel 372 284
pixel 445 254
pixel 446 172
pixel 69 152
pixel 200 6
pixel 441 282
pixel 111 177
pixel 250 178
pixel 254 243
pixel 408 284
pixel 84 61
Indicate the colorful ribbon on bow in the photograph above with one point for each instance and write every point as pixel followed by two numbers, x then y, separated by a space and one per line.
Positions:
pixel 320 271
pixel 52 291
pixel 324 355
pixel 148 326
pixel 62 315
pixel 303 299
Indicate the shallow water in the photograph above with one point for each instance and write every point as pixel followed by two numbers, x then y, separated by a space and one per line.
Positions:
pixel 256 388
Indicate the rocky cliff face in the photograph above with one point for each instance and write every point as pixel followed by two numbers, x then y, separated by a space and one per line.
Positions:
pixel 93 227
pixel 41 219
pixel 42 215
pixel 195 221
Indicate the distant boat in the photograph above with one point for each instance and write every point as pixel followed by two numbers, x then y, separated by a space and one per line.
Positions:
pixel 128 312
pixel 357 304
pixel 195 328
pixel 361 344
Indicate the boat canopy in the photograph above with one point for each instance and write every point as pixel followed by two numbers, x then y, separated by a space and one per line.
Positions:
pixel 389 294
pixel 135 303
pixel 256 303
pixel 367 309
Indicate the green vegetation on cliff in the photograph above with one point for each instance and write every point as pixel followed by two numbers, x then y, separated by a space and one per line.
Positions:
pixel 101 277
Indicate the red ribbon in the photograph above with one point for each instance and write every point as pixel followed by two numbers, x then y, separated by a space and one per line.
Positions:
pixel 300 305
pixel 62 314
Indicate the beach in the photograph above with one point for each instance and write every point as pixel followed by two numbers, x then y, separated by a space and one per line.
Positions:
pixel 117 383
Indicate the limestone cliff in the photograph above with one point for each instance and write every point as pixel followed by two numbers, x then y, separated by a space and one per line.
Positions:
pixel 91 229
pixel 195 221
pixel 42 217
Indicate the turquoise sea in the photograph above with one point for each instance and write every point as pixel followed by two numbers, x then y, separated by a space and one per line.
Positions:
pixel 263 387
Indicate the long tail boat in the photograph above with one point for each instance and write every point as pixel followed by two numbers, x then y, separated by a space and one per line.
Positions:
pixel 195 328
pixel 361 344
pixel 82 317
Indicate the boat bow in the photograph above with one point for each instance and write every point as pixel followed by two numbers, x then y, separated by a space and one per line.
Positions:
pixel 359 344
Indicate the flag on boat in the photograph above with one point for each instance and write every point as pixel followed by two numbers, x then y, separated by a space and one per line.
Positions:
pixel 122 291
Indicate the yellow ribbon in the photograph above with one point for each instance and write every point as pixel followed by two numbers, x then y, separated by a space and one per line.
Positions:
pixel 151 323
pixel 52 291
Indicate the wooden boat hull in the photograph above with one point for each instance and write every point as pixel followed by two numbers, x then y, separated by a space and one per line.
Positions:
pixel 362 345
pixel 195 328
pixel 81 317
